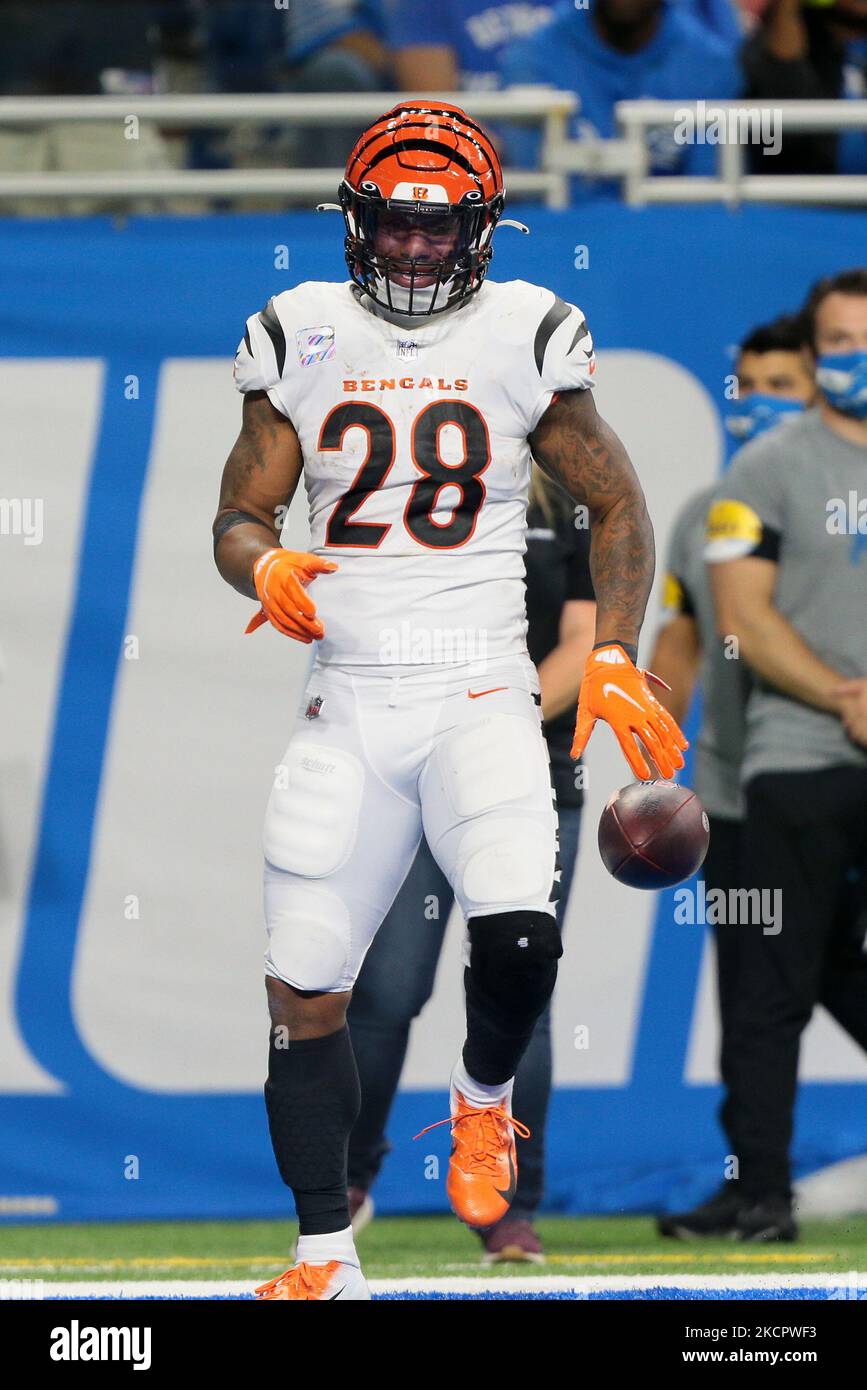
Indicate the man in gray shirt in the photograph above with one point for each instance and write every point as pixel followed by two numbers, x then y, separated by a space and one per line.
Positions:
pixel 775 384
pixel 788 569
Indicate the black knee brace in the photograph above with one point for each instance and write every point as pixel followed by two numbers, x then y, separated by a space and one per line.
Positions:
pixel 510 978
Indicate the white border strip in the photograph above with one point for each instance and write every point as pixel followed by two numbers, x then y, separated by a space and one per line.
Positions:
pixel 553 1283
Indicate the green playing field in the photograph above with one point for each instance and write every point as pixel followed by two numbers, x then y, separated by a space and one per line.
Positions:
pixel 396 1248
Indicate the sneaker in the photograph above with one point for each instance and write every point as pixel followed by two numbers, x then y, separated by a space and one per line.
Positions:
pixel 483 1167
pixel 767 1220
pixel 716 1217
pixel 325 1283
pixel 512 1239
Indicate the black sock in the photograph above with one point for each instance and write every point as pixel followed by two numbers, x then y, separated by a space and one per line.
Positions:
pixel 313 1098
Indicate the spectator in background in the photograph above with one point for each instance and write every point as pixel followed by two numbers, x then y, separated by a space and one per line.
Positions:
pixel 444 45
pixel 68 50
pixel 244 41
pixel 622 49
pixel 447 45
pixel 775 384
pixel 329 46
pixel 65 50
pixel 334 46
pixel 723 17
pixel 804 51
pixel 788 578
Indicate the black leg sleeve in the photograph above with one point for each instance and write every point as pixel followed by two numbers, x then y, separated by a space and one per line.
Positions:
pixel 313 1097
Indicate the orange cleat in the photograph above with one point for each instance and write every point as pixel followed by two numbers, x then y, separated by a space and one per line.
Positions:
pixel 326 1283
pixel 483 1167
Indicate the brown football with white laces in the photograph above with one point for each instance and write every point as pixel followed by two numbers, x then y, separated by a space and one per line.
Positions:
pixel 653 834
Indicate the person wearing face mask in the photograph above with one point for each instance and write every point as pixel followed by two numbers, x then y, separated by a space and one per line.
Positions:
pixel 774 385
pixel 787 563
pixel 774 379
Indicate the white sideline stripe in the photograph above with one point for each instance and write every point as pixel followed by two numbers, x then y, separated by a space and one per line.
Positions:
pixel 552 1283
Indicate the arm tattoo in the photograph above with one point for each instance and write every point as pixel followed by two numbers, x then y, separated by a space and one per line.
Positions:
pixel 255 444
pixel 575 446
pixel 259 480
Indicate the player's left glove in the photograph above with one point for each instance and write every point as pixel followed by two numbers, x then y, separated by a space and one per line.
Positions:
pixel 615 690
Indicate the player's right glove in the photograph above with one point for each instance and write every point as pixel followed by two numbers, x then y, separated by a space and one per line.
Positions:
pixel 615 690
pixel 281 578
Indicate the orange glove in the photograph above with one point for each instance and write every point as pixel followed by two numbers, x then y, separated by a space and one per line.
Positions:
pixel 281 577
pixel 616 691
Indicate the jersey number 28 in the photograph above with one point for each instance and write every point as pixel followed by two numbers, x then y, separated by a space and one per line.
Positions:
pixel 434 473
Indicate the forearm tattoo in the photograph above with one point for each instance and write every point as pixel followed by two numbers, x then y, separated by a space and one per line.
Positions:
pixel 582 453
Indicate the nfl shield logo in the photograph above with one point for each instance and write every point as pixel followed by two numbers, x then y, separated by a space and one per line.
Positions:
pixel 313 708
pixel 315 345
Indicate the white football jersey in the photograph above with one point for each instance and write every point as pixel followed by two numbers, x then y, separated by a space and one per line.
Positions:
pixel 416 460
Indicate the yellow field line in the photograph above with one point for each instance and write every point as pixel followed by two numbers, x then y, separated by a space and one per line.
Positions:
pixel 673 1257
pixel 140 1262
pixel 678 1257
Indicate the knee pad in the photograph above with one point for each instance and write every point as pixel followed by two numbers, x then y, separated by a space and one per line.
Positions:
pixel 513 961
pixel 312 818
pixel 309 935
pixel 505 860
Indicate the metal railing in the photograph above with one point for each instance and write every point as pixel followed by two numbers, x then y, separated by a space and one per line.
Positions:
pixel 543 106
pixel 626 158
pixel 732 183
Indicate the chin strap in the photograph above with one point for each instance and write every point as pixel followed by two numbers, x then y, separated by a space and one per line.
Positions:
pixel 504 222
pixel 328 207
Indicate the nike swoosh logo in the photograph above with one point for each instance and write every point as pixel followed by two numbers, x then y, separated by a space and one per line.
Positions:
pixel 477 694
pixel 609 685
pixel 508 1195
pixel 334 1295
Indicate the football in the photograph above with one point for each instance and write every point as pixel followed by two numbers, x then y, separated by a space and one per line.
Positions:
pixel 653 834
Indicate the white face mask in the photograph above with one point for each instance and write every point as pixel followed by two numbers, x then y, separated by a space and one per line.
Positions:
pixel 422 296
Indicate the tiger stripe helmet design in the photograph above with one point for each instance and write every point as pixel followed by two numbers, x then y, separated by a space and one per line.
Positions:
pixel 429 166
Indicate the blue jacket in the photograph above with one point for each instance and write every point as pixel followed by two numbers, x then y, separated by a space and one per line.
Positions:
pixel 684 60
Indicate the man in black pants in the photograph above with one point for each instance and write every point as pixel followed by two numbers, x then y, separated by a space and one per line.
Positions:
pixel 775 385
pixel 789 572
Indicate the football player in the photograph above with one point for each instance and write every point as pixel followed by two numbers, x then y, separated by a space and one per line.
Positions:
pixel 411 397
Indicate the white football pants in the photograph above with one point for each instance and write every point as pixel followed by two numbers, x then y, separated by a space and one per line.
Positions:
pixel 374 760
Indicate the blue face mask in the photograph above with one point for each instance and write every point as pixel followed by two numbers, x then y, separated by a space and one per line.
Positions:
pixel 842 379
pixel 752 415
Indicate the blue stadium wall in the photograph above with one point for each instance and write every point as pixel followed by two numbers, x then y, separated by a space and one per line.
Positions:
pixel 139 730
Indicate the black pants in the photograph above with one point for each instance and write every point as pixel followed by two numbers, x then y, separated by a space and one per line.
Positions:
pixel 805 837
pixel 722 869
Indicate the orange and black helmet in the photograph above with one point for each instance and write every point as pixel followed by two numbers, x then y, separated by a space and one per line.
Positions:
pixel 428 162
